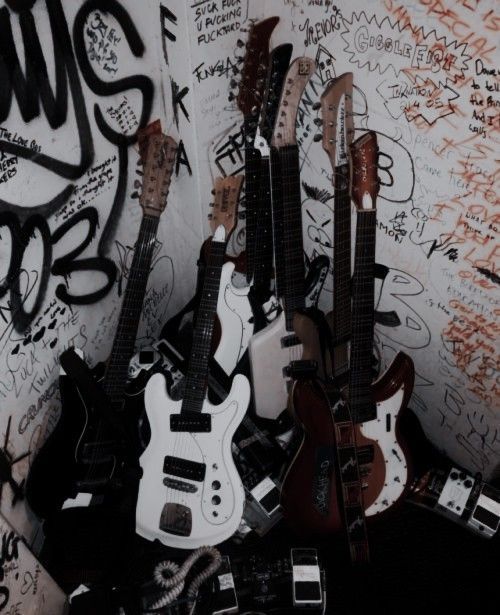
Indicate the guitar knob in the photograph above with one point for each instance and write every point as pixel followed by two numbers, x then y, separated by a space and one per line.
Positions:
pixel 216 485
pixel 216 500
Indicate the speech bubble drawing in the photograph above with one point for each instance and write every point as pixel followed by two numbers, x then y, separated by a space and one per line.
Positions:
pixel 386 45
pixel 419 99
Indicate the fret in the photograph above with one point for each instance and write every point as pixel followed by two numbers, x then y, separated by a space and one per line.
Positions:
pixel 263 258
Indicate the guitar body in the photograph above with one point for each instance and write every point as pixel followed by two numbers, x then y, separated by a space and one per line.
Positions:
pixel 389 475
pixel 309 492
pixel 59 465
pixel 178 509
pixel 236 321
pixel 269 356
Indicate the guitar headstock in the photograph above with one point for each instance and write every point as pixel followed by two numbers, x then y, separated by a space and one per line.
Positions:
pixel 227 193
pixel 279 60
pixel 297 77
pixel 159 158
pixel 365 182
pixel 338 127
pixel 254 66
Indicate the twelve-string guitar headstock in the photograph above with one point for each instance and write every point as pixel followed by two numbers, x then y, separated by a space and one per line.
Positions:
pixel 338 126
pixel 158 160
pixel 227 193
pixel 297 77
pixel 254 69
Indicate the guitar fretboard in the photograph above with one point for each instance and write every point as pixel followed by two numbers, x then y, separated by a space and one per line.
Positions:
pixel 360 396
pixel 197 372
pixel 263 261
pixel 124 341
pixel 293 252
pixel 252 184
pixel 341 260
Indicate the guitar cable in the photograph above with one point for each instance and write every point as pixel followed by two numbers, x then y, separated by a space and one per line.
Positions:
pixel 171 578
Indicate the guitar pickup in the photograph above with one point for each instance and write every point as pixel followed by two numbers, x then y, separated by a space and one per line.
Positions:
pixel 192 422
pixel 301 369
pixel 289 340
pixel 184 468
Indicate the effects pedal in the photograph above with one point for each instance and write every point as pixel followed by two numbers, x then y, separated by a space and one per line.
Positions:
pixel 461 497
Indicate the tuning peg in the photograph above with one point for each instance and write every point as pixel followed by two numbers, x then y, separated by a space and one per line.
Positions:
pixel 318 121
pixel 212 191
pixel 231 97
pixel 240 43
pixel 210 216
pixel 316 106
pixel 233 83
pixel 317 138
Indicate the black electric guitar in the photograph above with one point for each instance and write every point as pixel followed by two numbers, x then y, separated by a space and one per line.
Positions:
pixel 249 102
pixel 83 459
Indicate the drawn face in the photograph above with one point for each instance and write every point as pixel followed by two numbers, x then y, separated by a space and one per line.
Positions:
pixel 317 228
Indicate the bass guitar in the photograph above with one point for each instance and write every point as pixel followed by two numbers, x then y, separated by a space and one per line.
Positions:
pixel 375 406
pixel 190 493
pixel 83 459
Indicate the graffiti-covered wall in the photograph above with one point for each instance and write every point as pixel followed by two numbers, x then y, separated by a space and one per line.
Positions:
pixel 77 82
pixel 426 80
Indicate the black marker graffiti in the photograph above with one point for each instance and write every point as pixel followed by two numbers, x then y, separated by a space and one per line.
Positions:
pixel 32 89
pixel 166 16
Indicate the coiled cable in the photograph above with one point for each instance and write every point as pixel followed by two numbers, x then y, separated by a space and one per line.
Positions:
pixel 171 577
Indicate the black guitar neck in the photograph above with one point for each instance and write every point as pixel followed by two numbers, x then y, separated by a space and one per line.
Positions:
pixel 341 271
pixel 289 209
pixel 197 371
pixel 252 192
pixel 360 395
pixel 115 376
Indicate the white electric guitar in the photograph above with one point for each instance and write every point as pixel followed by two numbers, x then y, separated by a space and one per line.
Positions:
pixel 190 493
pixel 273 348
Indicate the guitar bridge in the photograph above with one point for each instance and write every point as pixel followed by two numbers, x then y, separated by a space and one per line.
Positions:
pixel 176 519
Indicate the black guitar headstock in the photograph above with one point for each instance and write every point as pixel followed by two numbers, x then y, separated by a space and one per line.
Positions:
pixel 279 61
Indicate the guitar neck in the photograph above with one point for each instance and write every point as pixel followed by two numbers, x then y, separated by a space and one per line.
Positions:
pixel 197 372
pixel 293 252
pixel 124 342
pixel 252 183
pixel 341 269
pixel 263 260
pixel 360 379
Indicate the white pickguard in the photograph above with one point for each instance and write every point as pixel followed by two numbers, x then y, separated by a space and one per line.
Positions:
pixel 236 320
pixel 212 521
pixel 396 471
pixel 267 360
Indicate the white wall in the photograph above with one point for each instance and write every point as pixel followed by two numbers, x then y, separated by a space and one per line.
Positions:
pixel 438 231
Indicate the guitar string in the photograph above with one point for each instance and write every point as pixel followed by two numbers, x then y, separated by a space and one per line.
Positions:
pixel 147 227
